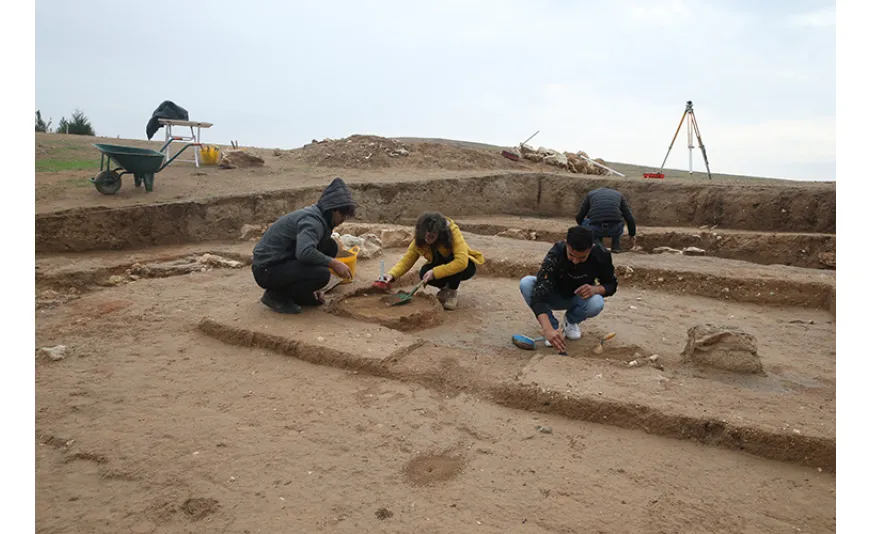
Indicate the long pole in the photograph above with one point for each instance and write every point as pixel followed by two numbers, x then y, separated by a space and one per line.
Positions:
pixel 592 161
pixel 689 130
pixel 530 138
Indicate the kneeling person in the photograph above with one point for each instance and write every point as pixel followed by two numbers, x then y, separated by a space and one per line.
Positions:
pixel 449 259
pixel 292 260
pixel 567 281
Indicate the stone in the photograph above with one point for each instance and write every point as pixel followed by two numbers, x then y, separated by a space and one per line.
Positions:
pixel 251 232
pixel 213 260
pixel 723 347
pixel 517 233
pixel 396 238
pixel 237 159
pixel 666 250
pixel 694 251
pixel 54 353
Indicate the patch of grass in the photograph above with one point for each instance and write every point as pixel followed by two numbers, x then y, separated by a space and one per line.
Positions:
pixel 78 182
pixel 57 165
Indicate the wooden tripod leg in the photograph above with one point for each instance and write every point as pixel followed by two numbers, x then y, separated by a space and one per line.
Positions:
pixel 673 140
pixel 701 145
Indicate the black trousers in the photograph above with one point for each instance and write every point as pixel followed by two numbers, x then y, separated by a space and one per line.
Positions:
pixel 294 280
pixel 451 282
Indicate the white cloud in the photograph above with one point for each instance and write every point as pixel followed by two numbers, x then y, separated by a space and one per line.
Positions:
pixel 820 18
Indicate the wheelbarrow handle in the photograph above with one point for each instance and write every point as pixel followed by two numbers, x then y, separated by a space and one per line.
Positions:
pixel 176 155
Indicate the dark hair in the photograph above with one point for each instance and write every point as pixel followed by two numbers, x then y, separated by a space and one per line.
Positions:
pixel 580 238
pixel 348 211
pixel 433 222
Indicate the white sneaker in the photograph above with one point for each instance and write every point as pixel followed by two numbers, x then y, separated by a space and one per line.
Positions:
pixel 572 331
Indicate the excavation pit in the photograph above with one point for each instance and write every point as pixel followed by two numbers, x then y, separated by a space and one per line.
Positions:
pixel 422 312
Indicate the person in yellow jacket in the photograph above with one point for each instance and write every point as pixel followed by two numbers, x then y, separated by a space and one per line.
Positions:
pixel 449 259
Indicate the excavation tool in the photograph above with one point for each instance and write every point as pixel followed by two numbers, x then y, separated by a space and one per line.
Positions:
pixel 600 347
pixel 380 283
pixel 691 129
pixel 529 343
pixel 402 297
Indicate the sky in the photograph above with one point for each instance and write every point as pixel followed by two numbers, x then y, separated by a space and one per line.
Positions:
pixel 609 78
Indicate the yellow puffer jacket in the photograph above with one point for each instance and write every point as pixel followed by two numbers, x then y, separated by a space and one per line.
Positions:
pixel 461 256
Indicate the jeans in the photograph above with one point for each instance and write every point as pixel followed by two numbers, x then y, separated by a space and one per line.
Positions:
pixel 295 281
pixel 613 230
pixel 577 308
pixel 452 281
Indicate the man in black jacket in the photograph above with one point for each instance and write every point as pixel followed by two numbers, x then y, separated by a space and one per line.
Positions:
pixel 292 260
pixel 603 210
pixel 575 276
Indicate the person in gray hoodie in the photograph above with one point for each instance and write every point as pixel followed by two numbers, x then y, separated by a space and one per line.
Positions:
pixel 292 260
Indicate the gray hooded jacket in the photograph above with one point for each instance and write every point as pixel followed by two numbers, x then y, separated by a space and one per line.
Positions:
pixel 299 235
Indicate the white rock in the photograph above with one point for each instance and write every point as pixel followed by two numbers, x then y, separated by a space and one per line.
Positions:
pixel 654 358
pixel 55 353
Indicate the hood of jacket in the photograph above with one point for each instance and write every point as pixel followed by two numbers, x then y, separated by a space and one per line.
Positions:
pixel 336 195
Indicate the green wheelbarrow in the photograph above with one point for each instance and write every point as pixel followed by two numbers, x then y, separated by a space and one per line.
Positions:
pixel 142 163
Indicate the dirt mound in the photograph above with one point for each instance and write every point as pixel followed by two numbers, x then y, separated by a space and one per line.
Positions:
pixel 374 152
pixel 723 347
pixel 424 310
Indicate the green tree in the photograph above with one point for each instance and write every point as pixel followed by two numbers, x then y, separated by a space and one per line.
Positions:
pixel 77 125
pixel 41 126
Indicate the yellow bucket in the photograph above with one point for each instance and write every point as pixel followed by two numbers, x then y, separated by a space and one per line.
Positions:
pixel 209 154
pixel 348 257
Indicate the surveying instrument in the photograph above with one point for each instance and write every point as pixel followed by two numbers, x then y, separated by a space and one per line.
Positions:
pixel 692 130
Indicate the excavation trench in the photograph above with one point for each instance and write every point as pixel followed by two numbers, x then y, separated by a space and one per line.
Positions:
pixel 761 208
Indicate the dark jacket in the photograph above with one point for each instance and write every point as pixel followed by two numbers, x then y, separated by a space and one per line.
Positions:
pixel 560 276
pixel 299 235
pixel 604 205
pixel 166 110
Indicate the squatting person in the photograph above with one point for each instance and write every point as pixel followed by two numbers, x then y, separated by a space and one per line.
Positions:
pixel 575 276
pixel 292 260
pixel 449 259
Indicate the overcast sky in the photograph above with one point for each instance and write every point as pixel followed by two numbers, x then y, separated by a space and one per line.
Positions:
pixel 610 78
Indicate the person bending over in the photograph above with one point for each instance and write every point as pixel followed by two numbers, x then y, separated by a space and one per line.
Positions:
pixel 603 211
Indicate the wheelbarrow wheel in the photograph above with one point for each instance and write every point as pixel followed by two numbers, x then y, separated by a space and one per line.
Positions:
pixel 108 182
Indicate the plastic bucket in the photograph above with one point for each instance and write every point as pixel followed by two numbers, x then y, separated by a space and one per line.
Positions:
pixel 348 257
pixel 209 154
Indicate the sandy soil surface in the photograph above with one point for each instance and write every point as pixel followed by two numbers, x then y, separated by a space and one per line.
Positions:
pixel 183 405
pixel 156 427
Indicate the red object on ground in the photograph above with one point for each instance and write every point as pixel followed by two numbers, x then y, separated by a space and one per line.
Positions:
pixel 510 155
pixel 383 286
pixel 653 175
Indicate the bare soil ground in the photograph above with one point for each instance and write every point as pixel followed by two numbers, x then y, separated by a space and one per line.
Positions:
pixel 157 426
pixel 70 188
pixel 184 405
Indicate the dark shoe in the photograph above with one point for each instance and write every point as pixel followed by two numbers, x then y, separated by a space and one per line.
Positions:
pixel 615 250
pixel 286 306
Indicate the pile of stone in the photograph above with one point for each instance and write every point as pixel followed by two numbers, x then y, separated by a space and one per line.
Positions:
pixel 571 162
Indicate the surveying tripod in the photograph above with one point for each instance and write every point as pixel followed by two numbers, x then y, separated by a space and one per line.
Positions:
pixel 691 127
